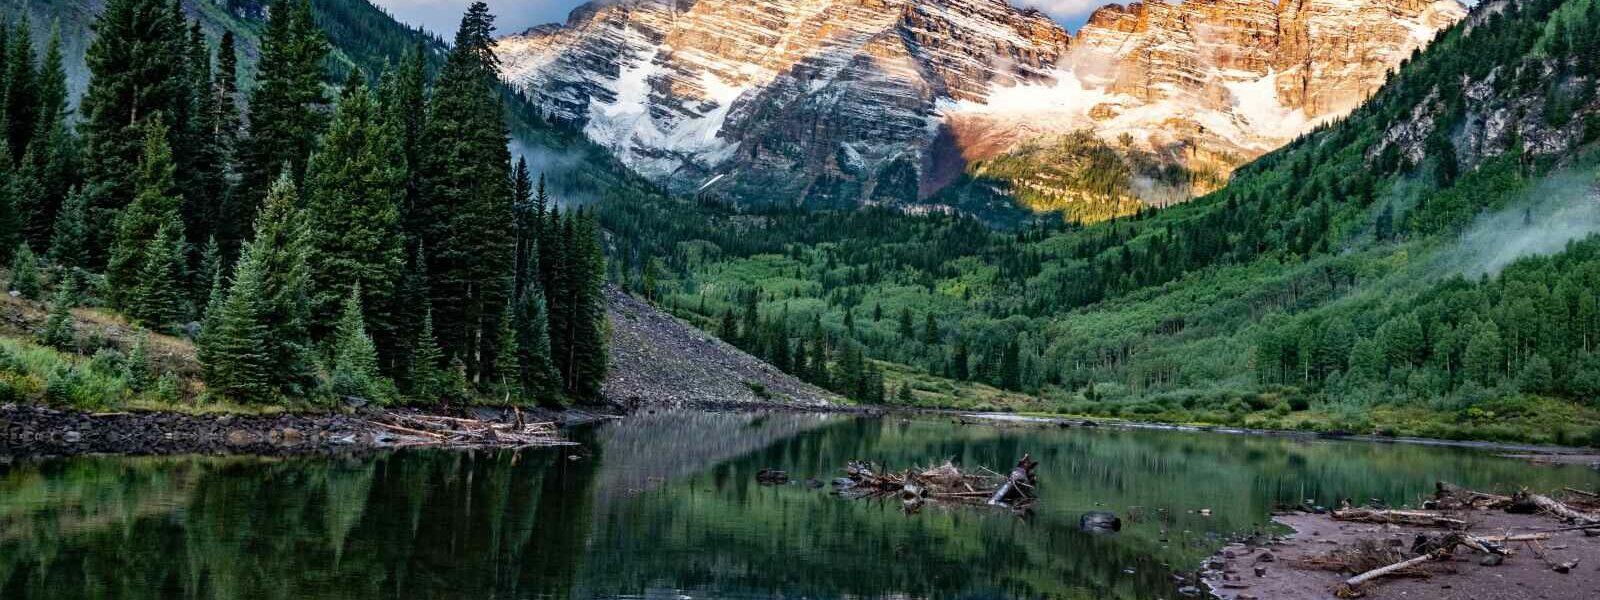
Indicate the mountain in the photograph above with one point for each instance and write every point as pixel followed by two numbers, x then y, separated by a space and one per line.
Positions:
pixel 1429 264
pixel 361 35
pixel 927 102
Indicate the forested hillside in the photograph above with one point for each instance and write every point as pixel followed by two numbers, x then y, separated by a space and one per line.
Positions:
pixel 305 243
pixel 1407 269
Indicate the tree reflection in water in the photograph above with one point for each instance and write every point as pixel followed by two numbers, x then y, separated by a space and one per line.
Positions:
pixel 668 504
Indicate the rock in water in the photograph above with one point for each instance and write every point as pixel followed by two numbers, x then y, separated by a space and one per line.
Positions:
pixel 1100 522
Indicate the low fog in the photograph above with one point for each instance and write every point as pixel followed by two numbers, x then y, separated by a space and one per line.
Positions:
pixel 1562 208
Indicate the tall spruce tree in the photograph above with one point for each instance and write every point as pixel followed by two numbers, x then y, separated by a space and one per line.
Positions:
pixel 287 108
pixel 21 91
pixel 355 358
pixel 405 104
pixel 136 66
pixel 280 254
pixel 585 346
pixel 69 237
pixel 202 165
pixel 50 162
pixel 466 198
pixel 234 347
pixel 355 187
pixel 158 300
pixel 155 205
pixel 532 330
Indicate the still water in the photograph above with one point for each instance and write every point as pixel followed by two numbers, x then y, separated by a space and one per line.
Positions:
pixel 667 506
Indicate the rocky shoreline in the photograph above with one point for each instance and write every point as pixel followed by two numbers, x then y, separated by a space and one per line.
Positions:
pixel 33 431
pixel 1295 567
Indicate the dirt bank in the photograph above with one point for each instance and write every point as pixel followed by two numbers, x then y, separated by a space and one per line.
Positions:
pixel 657 359
pixel 1277 569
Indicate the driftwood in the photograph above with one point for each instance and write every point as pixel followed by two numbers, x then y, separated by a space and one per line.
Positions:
pixel 1430 549
pixel 1399 517
pixel 415 430
pixel 1534 503
pixel 945 483
pixel 1449 496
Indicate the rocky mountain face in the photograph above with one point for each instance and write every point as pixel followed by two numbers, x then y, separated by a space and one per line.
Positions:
pixel 926 102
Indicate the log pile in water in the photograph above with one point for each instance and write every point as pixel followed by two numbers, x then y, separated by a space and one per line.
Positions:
pixel 945 483
pixel 420 430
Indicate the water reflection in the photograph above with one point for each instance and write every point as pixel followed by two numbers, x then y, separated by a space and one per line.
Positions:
pixel 666 505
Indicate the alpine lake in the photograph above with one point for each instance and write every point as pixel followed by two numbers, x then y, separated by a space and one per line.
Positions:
pixel 667 505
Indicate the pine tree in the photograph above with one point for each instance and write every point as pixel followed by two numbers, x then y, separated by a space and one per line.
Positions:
pixel 209 271
pixel 50 162
pixel 466 187
pixel 154 206
pixel 507 376
pixel 280 256
pixel 59 326
pixel 234 347
pixel 355 186
pixel 21 91
pixel 287 108
pixel 355 358
pixel 69 238
pixel 25 278
pixel 136 67
pixel 157 301
pixel 405 105
pixel 10 186
pixel 137 372
pixel 539 376
pixel 427 374
pixel 202 166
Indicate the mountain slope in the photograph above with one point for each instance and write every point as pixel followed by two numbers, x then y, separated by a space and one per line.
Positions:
pixel 834 103
pixel 1425 265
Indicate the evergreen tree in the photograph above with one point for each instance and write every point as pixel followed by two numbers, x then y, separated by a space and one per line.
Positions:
pixel 59 326
pixel 234 348
pixel 202 166
pixel 507 376
pixel 10 186
pixel 137 372
pixel 157 301
pixel 50 162
pixel 355 186
pixel 69 239
pixel 539 376
pixel 279 247
pixel 355 358
pixel 405 101
pixel 21 91
pixel 466 181
pixel 25 277
pixel 154 206
pixel 136 66
pixel 427 372
pixel 207 275
pixel 287 108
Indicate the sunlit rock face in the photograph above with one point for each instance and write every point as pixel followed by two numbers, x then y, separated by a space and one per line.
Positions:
pixel 849 102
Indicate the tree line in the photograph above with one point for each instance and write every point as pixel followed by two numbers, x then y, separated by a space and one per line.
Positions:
pixel 371 238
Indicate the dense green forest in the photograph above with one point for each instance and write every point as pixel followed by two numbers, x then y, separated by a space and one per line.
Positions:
pixel 1316 290
pixel 318 231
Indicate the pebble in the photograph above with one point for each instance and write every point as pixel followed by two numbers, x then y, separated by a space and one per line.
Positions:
pixel 1492 560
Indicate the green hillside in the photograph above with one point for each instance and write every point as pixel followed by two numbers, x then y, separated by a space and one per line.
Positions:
pixel 1422 267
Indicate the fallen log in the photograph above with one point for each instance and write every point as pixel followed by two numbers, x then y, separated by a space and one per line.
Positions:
pixel 1450 496
pixel 1018 483
pixel 1535 503
pixel 1399 517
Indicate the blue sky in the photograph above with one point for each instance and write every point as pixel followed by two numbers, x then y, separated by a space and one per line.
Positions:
pixel 442 16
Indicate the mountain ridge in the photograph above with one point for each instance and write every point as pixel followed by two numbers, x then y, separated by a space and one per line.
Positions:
pixel 827 103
